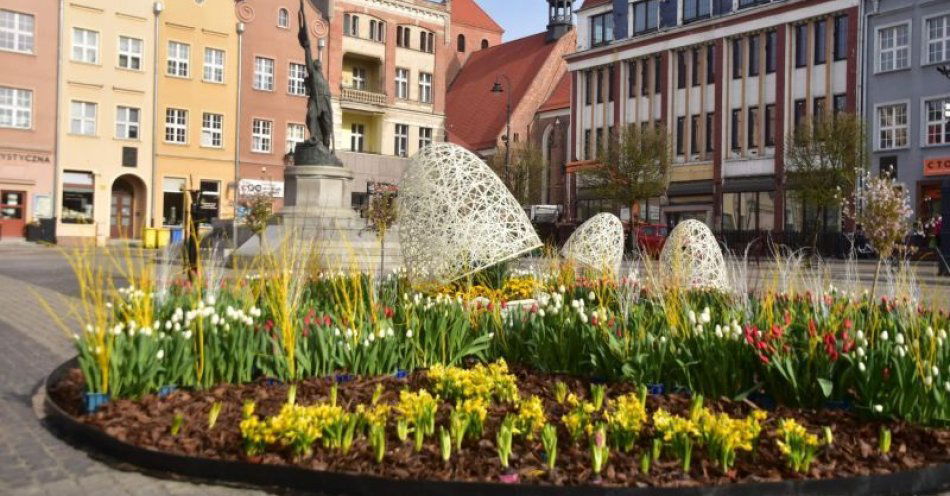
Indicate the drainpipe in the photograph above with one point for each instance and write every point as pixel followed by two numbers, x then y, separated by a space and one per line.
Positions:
pixel 57 161
pixel 157 9
pixel 237 133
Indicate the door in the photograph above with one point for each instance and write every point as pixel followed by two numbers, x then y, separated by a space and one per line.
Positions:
pixel 12 213
pixel 121 213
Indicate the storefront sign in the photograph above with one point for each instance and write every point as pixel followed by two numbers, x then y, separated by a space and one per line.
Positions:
pixel 253 187
pixel 373 188
pixel 33 158
pixel 937 166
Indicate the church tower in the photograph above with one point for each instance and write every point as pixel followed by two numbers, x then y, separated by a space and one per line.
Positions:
pixel 560 18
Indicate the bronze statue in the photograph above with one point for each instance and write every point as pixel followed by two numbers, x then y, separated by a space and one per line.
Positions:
pixel 318 149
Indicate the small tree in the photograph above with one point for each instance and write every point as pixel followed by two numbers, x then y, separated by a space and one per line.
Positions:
pixel 885 214
pixel 635 166
pixel 260 211
pixel 381 212
pixel 525 172
pixel 823 160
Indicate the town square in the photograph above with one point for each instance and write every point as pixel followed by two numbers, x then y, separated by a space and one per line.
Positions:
pixel 475 247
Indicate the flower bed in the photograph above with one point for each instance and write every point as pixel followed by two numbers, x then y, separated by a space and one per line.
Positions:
pixel 640 454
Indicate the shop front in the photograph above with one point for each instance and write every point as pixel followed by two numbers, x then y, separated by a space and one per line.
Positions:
pixel 25 190
pixel 689 200
pixel 930 201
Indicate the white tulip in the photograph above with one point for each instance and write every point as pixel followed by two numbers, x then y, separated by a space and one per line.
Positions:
pixel 899 339
pixel 160 354
pixel 878 408
pixel 862 367
pixel 884 336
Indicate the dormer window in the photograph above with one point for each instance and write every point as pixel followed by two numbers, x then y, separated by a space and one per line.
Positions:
pixel 601 29
pixel 696 9
pixel 646 16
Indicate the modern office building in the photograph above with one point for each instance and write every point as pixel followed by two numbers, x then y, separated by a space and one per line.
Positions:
pixel 196 114
pixel 907 97
pixel 29 34
pixel 106 97
pixel 728 80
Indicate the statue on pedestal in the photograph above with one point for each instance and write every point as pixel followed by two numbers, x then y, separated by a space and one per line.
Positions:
pixel 318 149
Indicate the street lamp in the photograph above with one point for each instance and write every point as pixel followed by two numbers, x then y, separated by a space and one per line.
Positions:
pixel 498 88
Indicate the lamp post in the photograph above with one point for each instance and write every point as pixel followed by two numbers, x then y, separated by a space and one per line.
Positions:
pixel 498 88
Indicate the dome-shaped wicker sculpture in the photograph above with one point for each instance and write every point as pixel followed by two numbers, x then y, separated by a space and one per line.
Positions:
pixel 691 258
pixel 457 217
pixel 597 243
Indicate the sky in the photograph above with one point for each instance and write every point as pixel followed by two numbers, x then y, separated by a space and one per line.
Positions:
pixel 520 18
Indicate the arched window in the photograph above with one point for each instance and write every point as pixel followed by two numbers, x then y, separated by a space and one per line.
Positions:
pixel 283 18
pixel 461 43
pixel 484 44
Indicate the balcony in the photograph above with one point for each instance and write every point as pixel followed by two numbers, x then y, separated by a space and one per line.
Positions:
pixel 363 97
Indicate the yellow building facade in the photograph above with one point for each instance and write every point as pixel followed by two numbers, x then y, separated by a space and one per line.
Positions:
pixel 106 97
pixel 196 114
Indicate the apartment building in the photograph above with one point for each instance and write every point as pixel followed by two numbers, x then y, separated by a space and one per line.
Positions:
pixel 728 80
pixel 907 98
pixel 106 96
pixel 196 115
pixel 29 33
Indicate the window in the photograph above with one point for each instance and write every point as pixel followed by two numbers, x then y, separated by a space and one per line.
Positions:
pixel 379 33
pixel 645 77
pixel 841 37
pixel 359 78
pixel 263 74
pixel 261 136
pixel 176 126
pixel 425 87
pixel 425 137
pixel 754 43
pixel 736 117
pixel 694 135
pixel 130 53
pixel 770 124
pixel 600 85
pixel 771 39
pixel 127 123
pixel 680 69
pixel 402 83
pixel 680 137
pixel 892 126
pixel 748 211
pixel 657 73
pixel 173 201
pixel 937 32
pixel 818 112
pixel 426 41
pixel 16 31
pixel 737 52
pixel 587 154
pixel 710 123
pixel 214 65
pixel 16 108
pixel 752 128
pixel 82 118
pixel 695 9
pixel 484 44
pixel 401 140
pixel 296 79
pixel 283 18
pixel 893 44
pixel 800 109
pixel 402 36
pixel 209 196
pixel 821 41
pixel 85 46
pixel 178 59
pixel 78 193
pixel 646 16
pixel 351 25
pixel 801 45
pixel 588 86
pixel 296 134
pixel 710 64
pixel 212 130
pixel 839 103
pixel 357 135
pixel 631 78
pixel 601 29
pixel 610 83
pixel 937 123
pixel 461 43
pixel 695 63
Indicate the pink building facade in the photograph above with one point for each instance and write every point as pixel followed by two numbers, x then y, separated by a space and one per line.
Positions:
pixel 29 35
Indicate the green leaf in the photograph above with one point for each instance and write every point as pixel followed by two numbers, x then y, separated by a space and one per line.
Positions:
pixel 826 386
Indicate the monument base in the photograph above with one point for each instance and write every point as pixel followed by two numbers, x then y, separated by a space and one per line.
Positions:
pixel 317 219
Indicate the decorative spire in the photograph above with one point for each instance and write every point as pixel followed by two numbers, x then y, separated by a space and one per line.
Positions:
pixel 560 18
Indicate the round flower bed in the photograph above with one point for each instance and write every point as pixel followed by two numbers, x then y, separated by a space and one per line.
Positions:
pixel 610 438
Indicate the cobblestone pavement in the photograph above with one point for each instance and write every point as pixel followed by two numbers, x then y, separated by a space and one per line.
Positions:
pixel 33 460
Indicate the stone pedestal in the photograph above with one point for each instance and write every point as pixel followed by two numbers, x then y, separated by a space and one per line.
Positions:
pixel 317 213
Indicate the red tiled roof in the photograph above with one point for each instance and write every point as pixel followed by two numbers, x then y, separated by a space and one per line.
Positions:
pixel 561 96
pixel 475 115
pixel 588 4
pixel 470 13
